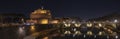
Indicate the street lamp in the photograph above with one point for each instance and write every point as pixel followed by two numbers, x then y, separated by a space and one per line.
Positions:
pixel 115 21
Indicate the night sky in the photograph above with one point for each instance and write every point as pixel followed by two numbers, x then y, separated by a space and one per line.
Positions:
pixel 62 8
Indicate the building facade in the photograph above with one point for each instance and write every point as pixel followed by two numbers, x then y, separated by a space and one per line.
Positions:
pixel 40 16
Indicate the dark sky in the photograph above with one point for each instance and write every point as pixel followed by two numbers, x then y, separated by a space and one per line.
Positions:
pixel 60 8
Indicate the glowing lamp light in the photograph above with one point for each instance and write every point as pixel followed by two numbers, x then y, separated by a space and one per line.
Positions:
pixel 43 11
pixel 89 33
pixel 100 25
pixel 44 21
pixel 67 25
pixel 115 20
pixel 100 33
pixel 77 25
pixel 67 32
pixel 32 28
pixel 77 32
pixel 89 25
pixel 116 37
pixel 74 29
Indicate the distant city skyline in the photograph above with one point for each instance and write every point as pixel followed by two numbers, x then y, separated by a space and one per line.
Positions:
pixel 62 8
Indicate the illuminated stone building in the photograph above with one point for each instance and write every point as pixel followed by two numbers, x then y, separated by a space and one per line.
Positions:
pixel 40 16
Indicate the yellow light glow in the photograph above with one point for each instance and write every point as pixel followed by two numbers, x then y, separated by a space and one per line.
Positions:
pixel 100 25
pixel 77 32
pixel 89 33
pixel 55 22
pixel 45 38
pixel 32 28
pixel 43 11
pixel 67 25
pixel 100 33
pixel 114 25
pixel 89 24
pixel 39 11
pixel 110 31
pixel 67 32
pixel 77 25
pixel 44 21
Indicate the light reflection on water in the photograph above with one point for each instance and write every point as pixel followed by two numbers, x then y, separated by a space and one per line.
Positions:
pixel 32 28
pixel 85 33
pixel 21 32
pixel 45 38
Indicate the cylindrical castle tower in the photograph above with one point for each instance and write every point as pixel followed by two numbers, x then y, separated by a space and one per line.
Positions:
pixel 41 16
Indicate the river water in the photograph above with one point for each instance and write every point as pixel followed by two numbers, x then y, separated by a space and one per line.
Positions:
pixel 19 32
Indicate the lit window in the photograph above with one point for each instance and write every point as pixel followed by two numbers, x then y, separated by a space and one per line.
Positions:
pixel 54 22
pixel 44 21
